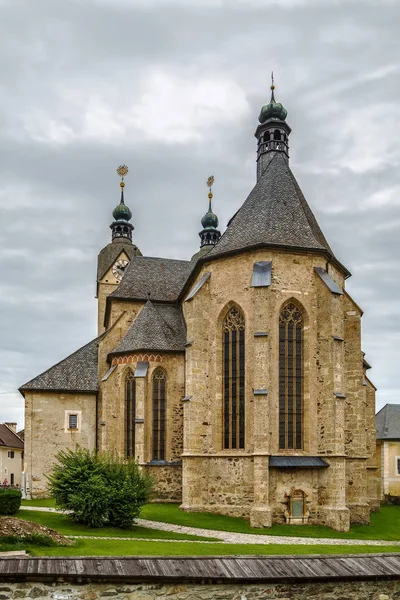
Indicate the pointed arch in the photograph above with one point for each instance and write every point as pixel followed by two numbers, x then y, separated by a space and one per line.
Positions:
pixel 159 413
pixel 291 375
pixel 233 387
pixel 130 413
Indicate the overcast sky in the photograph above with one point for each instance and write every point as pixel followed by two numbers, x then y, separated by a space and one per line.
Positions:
pixel 173 88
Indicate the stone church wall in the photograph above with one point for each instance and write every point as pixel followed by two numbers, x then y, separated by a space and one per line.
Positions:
pixel 332 369
pixel 47 413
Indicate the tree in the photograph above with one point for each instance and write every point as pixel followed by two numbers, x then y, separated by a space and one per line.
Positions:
pixel 99 488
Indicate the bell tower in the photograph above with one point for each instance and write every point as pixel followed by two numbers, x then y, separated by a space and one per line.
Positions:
pixel 113 259
pixel 273 132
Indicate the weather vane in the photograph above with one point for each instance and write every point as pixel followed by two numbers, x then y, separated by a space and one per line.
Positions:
pixel 122 172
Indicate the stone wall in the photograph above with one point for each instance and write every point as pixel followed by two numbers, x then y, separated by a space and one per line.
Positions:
pixel 338 413
pixel 47 412
pixel 358 590
pixel 167 482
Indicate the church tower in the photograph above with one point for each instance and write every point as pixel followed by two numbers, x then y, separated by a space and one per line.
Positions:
pixel 115 257
pixel 272 133
pixel 209 235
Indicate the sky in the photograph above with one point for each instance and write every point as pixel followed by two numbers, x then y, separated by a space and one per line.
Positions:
pixel 173 88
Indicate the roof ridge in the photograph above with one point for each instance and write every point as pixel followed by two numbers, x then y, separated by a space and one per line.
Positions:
pixel 313 221
pixel 12 431
pixel 64 359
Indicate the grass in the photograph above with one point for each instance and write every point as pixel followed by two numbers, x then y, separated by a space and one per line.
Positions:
pixel 67 526
pixel 138 548
pixel 385 525
pixel 48 502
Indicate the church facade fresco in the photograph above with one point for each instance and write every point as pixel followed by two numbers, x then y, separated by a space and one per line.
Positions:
pixel 236 378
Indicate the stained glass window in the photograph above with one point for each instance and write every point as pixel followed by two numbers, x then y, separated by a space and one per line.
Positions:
pixel 159 416
pixel 233 380
pixel 291 378
pixel 130 414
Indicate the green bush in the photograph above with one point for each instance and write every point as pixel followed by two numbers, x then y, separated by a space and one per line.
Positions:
pixel 99 488
pixel 10 501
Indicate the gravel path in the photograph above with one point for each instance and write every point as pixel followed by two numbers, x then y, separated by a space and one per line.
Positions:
pixel 231 538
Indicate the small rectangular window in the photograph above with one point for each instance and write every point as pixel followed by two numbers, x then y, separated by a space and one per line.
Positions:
pixel 72 421
pixel 12 479
pixel 397 465
pixel 11 454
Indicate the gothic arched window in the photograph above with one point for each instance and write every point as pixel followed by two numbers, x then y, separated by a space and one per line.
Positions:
pixel 233 379
pixel 159 413
pixel 291 378
pixel 130 414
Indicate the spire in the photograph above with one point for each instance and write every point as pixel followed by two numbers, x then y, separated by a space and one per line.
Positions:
pixel 209 235
pixel 121 228
pixel 272 87
pixel 273 131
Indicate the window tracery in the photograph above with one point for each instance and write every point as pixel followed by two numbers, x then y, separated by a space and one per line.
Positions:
pixel 291 378
pixel 130 414
pixel 234 380
pixel 159 413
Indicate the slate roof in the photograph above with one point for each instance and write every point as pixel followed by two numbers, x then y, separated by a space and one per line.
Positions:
pixel 9 438
pixel 158 327
pixel 76 373
pixel 275 213
pixel 160 279
pixel 110 253
pixel 388 422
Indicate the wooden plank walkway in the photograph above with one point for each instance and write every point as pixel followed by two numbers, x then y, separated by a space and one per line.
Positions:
pixel 205 569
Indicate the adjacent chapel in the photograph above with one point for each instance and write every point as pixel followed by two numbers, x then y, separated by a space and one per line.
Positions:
pixel 236 378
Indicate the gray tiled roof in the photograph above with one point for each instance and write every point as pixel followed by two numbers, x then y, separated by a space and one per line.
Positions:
pixel 388 422
pixel 160 279
pixel 109 254
pixel 9 438
pixel 275 213
pixel 157 327
pixel 76 373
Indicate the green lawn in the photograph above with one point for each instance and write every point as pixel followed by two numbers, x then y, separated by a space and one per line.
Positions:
pixel 66 526
pixel 385 525
pixel 138 548
pixel 49 502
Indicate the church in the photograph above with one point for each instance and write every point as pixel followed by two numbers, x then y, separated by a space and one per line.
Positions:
pixel 236 378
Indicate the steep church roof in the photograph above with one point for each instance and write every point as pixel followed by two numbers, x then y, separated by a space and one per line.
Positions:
pixel 160 279
pixel 76 373
pixel 158 327
pixel 274 214
pixel 388 422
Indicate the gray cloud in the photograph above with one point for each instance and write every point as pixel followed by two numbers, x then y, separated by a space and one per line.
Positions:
pixel 173 88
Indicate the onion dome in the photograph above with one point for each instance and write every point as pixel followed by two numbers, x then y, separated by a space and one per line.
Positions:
pixel 120 227
pixel 273 110
pixel 210 220
pixel 209 235
pixel 122 212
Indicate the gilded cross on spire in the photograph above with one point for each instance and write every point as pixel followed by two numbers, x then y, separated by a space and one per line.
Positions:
pixel 122 172
pixel 210 183
pixel 272 87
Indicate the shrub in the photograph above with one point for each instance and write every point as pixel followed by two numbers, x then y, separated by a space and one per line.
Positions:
pixel 10 501
pixel 99 488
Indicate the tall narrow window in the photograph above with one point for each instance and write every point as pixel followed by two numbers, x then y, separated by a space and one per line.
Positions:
pixel 159 416
pixel 290 378
pixel 233 379
pixel 130 414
